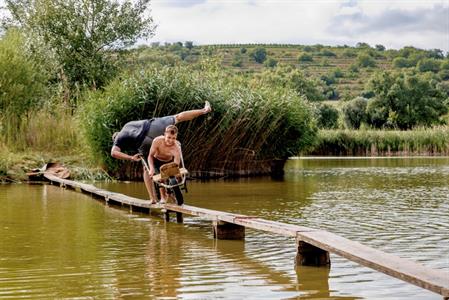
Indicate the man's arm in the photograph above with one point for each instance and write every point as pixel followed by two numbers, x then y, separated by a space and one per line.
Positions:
pixel 116 152
pixel 192 114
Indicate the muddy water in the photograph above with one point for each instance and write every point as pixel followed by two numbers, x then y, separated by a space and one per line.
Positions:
pixel 56 243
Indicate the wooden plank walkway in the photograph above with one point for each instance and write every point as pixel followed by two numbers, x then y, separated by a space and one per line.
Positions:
pixel 434 280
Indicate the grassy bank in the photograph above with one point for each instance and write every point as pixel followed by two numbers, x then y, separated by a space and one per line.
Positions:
pixel 421 141
pixel 48 136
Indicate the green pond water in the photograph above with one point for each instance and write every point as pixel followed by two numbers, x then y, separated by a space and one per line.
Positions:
pixel 57 243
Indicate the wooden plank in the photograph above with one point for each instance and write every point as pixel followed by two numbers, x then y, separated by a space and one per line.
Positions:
pixel 404 269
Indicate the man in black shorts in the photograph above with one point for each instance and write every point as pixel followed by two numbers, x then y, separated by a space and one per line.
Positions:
pixel 136 137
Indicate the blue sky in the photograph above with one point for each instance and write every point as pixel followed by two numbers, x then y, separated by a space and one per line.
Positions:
pixel 394 24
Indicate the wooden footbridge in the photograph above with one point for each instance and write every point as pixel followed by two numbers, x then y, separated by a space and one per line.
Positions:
pixel 312 245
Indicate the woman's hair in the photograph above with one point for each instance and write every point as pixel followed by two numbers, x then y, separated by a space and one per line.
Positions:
pixel 172 129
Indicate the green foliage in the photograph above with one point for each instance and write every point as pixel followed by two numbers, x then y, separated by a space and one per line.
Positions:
pixel 247 124
pixel 401 62
pixel 22 86
pixel 188 45
pixel 444 74
pixel 364 60
pixel 82 33
pixel 327 116
pixel 237 60
pixel 405 100
pixel 349 53
pixel 380 48
pixel 362 45
pixel 259 54
pixel 420 141
pixel 428 65
pixel 308 49
pixel 305 57
pixel 338 73
pixel 327 53
pixel 243 50
pixel 354 112
pixel 270 63
pixel 294 79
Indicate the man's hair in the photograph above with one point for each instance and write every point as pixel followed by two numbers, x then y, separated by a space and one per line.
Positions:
pixel 114 135
pixel 172 129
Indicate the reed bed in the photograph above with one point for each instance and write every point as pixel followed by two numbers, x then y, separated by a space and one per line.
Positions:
pixel 250 126
pixel 420 141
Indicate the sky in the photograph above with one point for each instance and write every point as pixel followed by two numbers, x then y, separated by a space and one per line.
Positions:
pixel 393 24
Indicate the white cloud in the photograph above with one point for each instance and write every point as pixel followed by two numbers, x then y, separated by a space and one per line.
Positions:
pixel 394 24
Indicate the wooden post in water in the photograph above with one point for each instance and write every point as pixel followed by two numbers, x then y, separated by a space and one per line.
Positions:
pixel 228 231
pixel 179 216
pixel 309 255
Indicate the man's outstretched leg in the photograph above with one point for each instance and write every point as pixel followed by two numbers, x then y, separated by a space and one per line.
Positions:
pixel 192 114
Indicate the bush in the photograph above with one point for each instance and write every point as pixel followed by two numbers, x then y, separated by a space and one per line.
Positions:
pixel 349 53
pixel 354 112
pixel 365 60
pixel 259 55
pixel 304 57
pixel 327 53
pixel 237 61
pixel 327 117
pixel 401 62
pixel 338 73
pixel 428 65
pixel 260 123
pixel 270 63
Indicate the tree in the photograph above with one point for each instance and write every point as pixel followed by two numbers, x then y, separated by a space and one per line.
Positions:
pixel 305 57
pixel 380 47
pixel 428 65
pixel 22 85
pixel 364 60
pixel 327 117
pixel 188 45
pixel 259 54
pixel 354 112
pixel 362 45
pixel 82 33
pixel 405 100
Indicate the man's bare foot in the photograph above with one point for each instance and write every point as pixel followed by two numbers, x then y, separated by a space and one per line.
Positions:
pixel 163 201
pixel 207 108
pixel 152 201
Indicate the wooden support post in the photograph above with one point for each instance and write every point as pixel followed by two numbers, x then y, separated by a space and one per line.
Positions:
pixel 179 217
pixel 228 231
pixel 309 255
pixel 167 216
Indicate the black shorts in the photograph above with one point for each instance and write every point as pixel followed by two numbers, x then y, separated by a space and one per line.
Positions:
pixel 158 163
